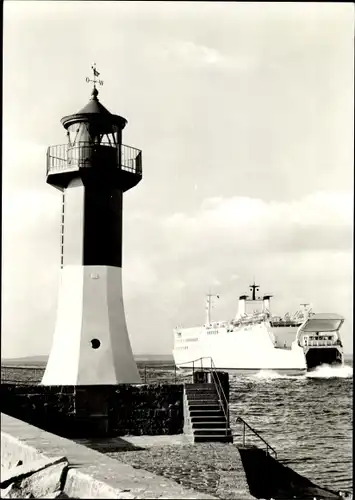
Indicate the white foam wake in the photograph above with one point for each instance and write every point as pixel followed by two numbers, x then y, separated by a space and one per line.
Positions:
pixel 271 375
pixel 322 371
pixel 327 371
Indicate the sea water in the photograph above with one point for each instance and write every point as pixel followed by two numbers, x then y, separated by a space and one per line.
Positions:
pixel 306 418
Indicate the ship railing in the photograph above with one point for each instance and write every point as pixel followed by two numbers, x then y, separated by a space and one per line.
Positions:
pixel 247 426
pixel 320 343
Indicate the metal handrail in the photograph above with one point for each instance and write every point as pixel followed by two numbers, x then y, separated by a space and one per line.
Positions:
pixel 89 143
pixel 213 368
pixel 226 412
pixel 128 158
pixel 219 388
pixel 194 360
pixel 268 446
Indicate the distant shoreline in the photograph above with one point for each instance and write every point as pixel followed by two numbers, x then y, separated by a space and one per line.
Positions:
pixel 41 361
pixel 148 359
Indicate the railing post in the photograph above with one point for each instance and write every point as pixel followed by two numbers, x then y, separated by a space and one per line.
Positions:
pixel 227 419
pixel 268 446
pixel 174 374
pixel 47 161
pixel 145 374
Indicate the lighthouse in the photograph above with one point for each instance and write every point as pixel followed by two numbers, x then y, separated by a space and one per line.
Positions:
pixel 92 170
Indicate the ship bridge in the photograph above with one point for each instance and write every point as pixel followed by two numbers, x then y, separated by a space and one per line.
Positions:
pixel 322 322
pixel 321 330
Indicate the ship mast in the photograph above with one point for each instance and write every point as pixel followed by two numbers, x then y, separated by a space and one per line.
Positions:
pixel 306 310
pixel 209 306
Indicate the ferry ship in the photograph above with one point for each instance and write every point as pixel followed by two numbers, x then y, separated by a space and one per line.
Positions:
pixel 257 340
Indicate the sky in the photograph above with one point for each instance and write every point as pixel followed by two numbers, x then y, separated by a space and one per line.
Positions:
pixel 245 116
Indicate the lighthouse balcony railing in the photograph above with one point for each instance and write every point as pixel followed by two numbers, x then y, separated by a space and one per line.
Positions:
pixel 65 157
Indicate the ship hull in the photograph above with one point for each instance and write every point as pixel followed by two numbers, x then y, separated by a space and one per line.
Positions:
pixel 259 341
pixel 246 348
pixel 323 356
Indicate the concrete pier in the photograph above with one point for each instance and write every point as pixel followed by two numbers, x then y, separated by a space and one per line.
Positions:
pixel 90 474
pixel 142 467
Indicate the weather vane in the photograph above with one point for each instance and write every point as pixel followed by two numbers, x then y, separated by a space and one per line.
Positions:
pixel 96 74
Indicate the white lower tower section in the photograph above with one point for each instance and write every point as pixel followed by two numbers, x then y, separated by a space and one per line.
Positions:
pixel 91 345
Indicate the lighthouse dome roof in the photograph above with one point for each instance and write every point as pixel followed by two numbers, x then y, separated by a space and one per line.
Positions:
pixel 94 106
pixel 95 112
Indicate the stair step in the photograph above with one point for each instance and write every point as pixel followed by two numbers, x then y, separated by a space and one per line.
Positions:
pixel 202 402
pixel 210 438
pixel 211 401
pixel 206 413
pixel 199 386
pixel 219 424
pixel 201 394
pixel 199 400
pixel 204 406
pixel 212 432
pixel 208 418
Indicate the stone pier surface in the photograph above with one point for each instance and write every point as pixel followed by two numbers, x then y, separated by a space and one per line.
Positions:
pixel 210 468
pixel 142 467
pixel 227 471
pixel 90 474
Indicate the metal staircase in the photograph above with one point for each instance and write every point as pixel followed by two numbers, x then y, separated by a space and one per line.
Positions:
pixel 206 407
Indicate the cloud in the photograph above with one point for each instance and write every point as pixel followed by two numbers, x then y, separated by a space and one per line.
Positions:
pixel 250 100
pixel 300 250
pixel 201 56
pixel 321 221
pixel 139 276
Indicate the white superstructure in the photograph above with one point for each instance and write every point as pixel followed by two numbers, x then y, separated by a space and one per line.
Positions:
pixel 253 340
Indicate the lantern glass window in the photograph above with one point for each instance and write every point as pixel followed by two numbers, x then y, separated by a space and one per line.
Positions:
pixel 78 132
pixel 105 137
